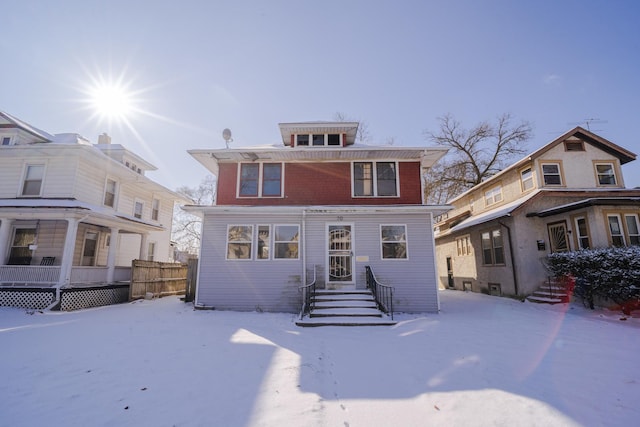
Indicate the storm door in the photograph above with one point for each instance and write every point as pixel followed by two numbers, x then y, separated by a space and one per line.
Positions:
pixel 558 237
pixel 340 260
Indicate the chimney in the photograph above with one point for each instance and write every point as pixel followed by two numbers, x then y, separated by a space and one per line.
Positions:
pixel 104 138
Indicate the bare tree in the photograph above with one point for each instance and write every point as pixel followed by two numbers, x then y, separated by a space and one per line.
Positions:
pixel 363 135
pixel 186 227
pixel 475 154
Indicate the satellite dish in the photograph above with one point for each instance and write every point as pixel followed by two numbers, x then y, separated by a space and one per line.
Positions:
pixel 226 135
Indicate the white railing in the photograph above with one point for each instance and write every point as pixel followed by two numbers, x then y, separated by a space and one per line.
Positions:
pixel 88 274
pixel 36 274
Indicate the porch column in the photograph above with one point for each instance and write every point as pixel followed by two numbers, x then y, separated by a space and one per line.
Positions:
pixel 69 249
pixel 144 250
pixel 111 255
pixel 5 235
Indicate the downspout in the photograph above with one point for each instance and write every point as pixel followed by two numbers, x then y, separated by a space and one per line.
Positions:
pixel 303 241
pixel 513 260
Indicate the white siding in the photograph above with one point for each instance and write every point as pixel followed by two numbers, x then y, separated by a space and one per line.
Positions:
pixel 272 285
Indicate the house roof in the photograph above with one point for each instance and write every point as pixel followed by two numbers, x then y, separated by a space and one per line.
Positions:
pixel 594 201
pixel 15 122
pixel 374 209
pixel 501 212
pixel 280 153
pixel 624 155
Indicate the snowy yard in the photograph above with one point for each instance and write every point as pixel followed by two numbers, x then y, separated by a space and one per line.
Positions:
pixel 481 361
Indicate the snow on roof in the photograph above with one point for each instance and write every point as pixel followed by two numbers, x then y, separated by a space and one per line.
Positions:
pixel 489 215
pixel 70 138
pixel 27 127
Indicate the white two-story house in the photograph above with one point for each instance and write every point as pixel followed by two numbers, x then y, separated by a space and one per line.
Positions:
pixel 74 213
pixel 566 196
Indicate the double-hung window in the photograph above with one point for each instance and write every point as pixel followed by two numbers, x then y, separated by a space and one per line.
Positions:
pixel 285 241
pixel 633 229
pixel 138 208
pixel 551 174
pixel 375 179
pixel 582 230
pixel 32 184
pixel 260 180
pixel 492 248
pixel 20 253
pixel 394 241
pixel 615 230
pixel 493 196
pixel 526 179
pixel 239 241
pixel 606 174
pixel 155 209
pixel 110 193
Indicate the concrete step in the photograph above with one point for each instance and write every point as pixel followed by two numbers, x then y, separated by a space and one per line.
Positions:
pixel 346 312
pixel 345 321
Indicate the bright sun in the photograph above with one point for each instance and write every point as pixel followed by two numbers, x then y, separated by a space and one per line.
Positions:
pixel 111 101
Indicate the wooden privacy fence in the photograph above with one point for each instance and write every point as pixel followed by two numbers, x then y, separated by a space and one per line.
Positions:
pixel 157 278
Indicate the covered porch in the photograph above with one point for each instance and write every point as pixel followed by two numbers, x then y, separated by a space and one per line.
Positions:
pixel 63 247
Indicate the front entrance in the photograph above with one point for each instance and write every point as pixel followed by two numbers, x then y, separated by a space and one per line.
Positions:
pixel 340 256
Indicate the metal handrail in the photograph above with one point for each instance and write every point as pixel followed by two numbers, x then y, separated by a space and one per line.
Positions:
pixel 308 291
pixel 382 293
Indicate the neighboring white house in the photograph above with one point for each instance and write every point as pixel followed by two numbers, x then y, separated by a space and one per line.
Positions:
pixel 73 212
pixel 566 196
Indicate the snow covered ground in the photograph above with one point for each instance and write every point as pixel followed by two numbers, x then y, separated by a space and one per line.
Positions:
pixel 481 361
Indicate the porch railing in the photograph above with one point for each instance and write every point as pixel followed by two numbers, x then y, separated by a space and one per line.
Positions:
pixel 382 293
pixel 29 274
pixel 308 292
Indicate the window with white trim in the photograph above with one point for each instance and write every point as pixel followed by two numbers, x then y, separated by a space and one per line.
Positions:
pixel 155 209
pixel 285 241
pixel 375 179
pixel 526 179
pixel 260 180
pixel 6 140
pixel 151 251
pixel 492 248
pixel 239 241
pixel 493 196
pixel 463 245
pixel 615 230
pixel 110 193
pixel 582 232
pixel 633 229
pixel 318 140
pixel 551 174
pixel 606 174
pixel 394 241
pixel 33 176
pixel 138 208
pixel 21 253
pixel 264 242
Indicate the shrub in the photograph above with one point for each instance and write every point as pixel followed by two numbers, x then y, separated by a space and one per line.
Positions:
pixel 609 273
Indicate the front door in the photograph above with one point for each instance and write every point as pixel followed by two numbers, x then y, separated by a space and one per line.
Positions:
pixel 340 255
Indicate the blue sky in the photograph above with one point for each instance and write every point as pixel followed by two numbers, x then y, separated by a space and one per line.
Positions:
pixel 197 67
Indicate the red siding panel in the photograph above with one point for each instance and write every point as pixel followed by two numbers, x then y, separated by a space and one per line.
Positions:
pixel 320 184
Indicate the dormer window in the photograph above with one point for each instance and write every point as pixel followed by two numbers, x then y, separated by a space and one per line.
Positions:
pixel 318 140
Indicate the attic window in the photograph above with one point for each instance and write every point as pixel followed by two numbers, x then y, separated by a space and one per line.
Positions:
pixel 318 140
pixel 573 146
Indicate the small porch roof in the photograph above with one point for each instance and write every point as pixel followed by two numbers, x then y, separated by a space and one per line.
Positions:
pixel 594 201
pixel 52 209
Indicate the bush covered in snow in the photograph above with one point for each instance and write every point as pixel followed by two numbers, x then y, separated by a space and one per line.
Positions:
pixel 609 273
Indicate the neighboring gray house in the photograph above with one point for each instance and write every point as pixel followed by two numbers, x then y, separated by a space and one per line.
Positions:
pixel 566 196
pixel 316 208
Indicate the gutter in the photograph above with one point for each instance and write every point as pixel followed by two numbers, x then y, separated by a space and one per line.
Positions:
pixel 513 260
